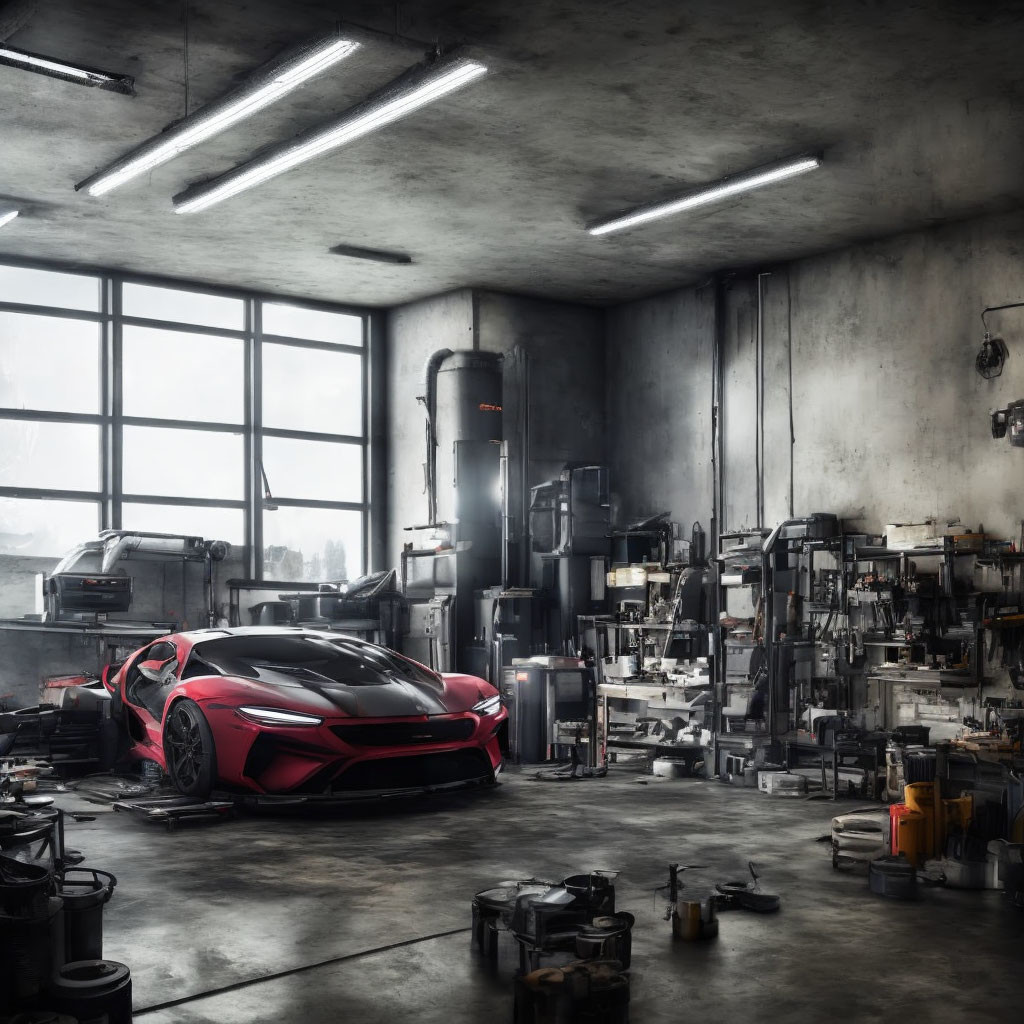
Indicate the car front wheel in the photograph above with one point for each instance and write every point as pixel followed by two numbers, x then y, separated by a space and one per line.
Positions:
pixel 189 750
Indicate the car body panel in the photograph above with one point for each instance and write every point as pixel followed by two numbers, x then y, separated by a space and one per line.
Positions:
pixel 363 726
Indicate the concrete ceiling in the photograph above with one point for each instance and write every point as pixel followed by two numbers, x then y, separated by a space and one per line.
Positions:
pixel 593 106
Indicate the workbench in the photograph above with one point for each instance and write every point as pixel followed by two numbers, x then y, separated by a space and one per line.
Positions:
pixel 657 700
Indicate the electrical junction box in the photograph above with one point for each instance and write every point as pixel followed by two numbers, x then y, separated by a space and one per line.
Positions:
pixel 1015 423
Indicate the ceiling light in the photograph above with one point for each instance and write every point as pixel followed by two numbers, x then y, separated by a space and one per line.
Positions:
pixel 723 189
pixel 77 73
pixel 377 255
pixel 410 92
pixel 6 216
pixel 263 87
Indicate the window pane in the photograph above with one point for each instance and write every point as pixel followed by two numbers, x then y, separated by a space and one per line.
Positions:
pixel 64 456
pixel 49 363
pixel 314 544
pixel 312 389
pixel 50 528
pixel 183 307
pixel 210 523
pixel 321 470
pixel 49 288
pixel 312 324
pixel 183 376
pixel 183 463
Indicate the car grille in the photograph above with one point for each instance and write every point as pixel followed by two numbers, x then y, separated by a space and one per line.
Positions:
pixel 416 771
pixel 402 734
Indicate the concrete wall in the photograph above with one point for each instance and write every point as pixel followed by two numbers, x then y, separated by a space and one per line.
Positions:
pixel 890 419
pixel 659 375
pixel 564 345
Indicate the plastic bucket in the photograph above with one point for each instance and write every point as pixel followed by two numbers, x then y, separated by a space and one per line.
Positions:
pixel 84 891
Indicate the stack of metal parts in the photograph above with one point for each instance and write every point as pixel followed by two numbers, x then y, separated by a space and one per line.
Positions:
pixel 77 737
pixel 573 946
pixel 51 925
pixel 594 991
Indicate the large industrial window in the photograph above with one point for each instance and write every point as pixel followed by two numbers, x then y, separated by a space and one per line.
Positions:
pixel 144 405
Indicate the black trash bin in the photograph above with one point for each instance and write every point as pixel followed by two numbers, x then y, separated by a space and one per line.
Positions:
pixel 85 891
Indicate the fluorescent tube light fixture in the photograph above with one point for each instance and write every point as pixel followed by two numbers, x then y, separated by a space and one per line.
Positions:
pixel 414 89
pixel 357 252
pixel 6 216
pixel 264 87
pixel 77 73
pixel 720 190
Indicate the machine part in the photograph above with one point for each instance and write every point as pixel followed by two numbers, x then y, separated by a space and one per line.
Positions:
pixel 84 892
pixel 539 698
pixel 781 784
pixel 858 838
pixel 894 877
pixel 993 353
pixel 571 920
pixel 172 811
pixel 93 990
pixel 692 919
pixel 747 895
pixel 991 357
pixel 592 990
pixel 1010 421
pixel 570 515
pixel 670 768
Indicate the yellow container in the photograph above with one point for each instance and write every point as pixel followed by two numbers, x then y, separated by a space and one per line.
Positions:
pixel 920 797
pixel 958 813
pixel 912 835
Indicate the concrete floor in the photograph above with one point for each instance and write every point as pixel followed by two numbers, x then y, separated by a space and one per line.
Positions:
pixel 206 907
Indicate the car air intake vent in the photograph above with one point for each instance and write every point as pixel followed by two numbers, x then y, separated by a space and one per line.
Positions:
pixel 402 734
pixel 415 771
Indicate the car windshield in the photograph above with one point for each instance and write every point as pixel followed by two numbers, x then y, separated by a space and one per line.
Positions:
pixel 308 658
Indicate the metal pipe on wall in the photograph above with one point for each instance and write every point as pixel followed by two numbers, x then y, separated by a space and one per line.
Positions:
pixel 718 525
pixel 759 395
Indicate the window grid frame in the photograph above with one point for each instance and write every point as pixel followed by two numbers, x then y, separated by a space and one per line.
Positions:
pixel 111 497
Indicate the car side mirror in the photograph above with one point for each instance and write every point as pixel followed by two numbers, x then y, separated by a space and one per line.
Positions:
pixel 156 671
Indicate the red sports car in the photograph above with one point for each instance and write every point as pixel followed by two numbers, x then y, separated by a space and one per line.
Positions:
pixel 303 713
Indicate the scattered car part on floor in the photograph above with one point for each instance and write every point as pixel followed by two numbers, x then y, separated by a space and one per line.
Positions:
pixel 692 919
pixel 746 895
pixel 173 811
pixel 572 920
pixel 894 877
pixel 584 990
pixel 858 837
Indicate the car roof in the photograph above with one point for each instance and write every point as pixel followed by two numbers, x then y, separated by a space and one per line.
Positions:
pixel 198 636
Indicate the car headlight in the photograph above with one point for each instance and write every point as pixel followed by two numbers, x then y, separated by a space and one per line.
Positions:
pixel 276 716
pixel 488 706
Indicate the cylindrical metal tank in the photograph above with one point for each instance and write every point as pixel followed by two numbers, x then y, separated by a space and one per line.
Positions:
pixel 468 432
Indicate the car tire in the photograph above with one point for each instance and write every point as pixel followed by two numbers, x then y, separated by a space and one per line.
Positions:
pixel 189 750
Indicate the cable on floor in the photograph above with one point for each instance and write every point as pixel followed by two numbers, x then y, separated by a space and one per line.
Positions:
pixel 235 986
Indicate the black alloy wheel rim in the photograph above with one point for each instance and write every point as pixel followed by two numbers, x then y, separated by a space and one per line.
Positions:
pixel 186 743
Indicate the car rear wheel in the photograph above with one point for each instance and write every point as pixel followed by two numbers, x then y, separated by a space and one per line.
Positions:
pixel 189 750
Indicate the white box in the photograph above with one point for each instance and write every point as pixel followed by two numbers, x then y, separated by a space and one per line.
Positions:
pixel 781 784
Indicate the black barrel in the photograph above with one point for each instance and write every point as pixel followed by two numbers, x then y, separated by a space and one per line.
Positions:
pixel 85 891
pixel 93 991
